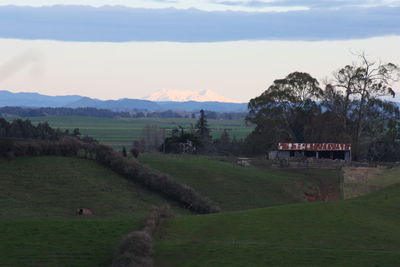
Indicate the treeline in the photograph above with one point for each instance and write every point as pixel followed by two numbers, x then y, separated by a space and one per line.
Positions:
pixel 350 107
pixel 64 144
pixel 43 112
pixel 105 113
pixel 25 129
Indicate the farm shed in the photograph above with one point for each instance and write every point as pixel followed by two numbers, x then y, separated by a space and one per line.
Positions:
pixel 312 150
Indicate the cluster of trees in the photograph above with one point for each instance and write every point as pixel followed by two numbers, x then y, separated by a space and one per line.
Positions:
pixel 351 107
pixel 55 142
pixel 198 139
pixel 25 129
pixel 195 140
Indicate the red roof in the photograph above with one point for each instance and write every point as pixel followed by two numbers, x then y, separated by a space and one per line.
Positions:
pixel 314 146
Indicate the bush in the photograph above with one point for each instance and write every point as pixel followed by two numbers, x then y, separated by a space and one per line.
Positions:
pixel 136 249
pixel 135 152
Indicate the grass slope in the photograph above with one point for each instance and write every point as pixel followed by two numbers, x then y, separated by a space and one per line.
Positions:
pixel 362 181
pixel 122 132
pixel 356 232
pixel 234 187
pixel 38 199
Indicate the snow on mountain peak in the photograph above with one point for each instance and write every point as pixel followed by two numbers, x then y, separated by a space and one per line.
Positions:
pixel 188 95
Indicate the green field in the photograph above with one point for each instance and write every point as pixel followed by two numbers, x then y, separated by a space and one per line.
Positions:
pixel 357 232
pixel 38 199
pixel 234 187
pixel 264 222
pixel 122 132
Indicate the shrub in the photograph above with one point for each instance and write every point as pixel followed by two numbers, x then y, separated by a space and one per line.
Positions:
pixel 135 152
pixel 136 249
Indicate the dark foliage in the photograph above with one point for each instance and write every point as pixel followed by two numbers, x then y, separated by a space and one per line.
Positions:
pixel 181 141
pixel 25 129
pixel 124 153
pixel 134 152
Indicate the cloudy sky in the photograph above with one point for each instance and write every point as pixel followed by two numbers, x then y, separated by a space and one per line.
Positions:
pixel 131 48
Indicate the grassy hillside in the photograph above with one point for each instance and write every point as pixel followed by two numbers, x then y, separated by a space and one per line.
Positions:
pixel 38 199
pixel 234 187
pixel 122 132
pixel 356 232
pixel 359 181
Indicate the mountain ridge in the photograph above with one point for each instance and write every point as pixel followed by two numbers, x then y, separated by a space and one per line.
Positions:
pixel 8 98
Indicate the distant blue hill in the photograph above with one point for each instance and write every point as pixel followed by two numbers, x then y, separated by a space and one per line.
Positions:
pixel 75 101
pixel 35 100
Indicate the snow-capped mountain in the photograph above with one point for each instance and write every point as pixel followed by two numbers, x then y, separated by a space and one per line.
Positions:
pixel 188 95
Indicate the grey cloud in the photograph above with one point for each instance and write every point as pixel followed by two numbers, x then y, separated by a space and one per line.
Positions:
pixel 120 24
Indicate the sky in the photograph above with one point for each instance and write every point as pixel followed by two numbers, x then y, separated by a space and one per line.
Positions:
pixel 131 48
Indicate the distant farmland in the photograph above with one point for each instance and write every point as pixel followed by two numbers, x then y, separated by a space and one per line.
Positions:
pixel 122 132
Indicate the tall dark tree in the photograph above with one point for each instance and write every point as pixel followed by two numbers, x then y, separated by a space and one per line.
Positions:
pixel 203 132
pixel 281 112
pixel 201 126
pixel 124 153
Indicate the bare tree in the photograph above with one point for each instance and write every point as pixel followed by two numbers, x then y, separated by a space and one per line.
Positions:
pixel 152 137
pixel 356 86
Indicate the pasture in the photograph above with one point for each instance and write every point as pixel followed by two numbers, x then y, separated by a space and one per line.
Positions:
pixel 356 232
pixel 120 132
pixel 234 187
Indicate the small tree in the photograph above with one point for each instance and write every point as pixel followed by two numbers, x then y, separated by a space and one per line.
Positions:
pixel 124 152
pixel 223 144
pixel 203 132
